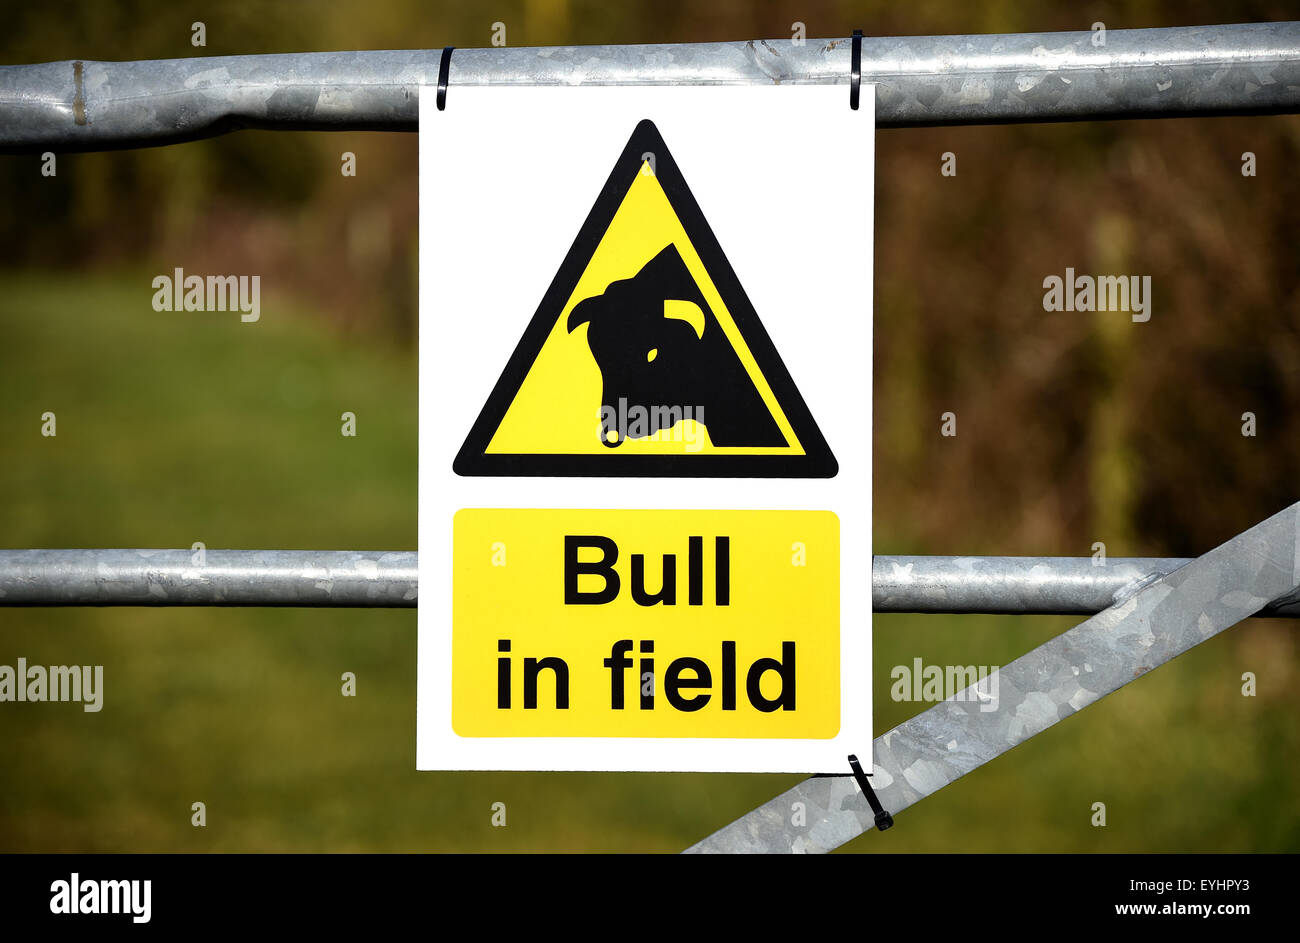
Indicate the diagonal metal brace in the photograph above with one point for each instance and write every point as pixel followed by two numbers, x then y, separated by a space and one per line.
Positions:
pixel 1059 678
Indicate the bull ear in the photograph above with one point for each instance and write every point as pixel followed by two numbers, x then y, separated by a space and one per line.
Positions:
pixel 583 311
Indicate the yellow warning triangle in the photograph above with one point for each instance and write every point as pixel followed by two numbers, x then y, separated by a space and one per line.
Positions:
pixel 645 357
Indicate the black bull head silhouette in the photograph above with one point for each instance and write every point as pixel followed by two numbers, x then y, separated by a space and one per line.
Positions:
pixel 660 348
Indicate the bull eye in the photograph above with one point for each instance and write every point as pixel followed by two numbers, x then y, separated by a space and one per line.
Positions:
pixel 651 354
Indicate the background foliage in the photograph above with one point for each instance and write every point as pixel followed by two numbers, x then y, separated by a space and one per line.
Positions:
pixel 1073 428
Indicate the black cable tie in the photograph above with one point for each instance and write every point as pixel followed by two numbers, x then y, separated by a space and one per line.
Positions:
pixel 855 76
pixel 444 70
pixel 883 819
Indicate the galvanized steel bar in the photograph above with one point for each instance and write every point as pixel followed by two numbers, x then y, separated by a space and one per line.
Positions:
pixel 1022 585
pixel 362 578
pixel 207 578
pixel 920 80
pixel 1077 668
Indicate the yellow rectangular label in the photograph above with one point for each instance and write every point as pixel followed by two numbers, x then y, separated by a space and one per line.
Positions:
pixel 616 623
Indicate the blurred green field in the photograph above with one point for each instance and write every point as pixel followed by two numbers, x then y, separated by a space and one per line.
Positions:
pixel 177 427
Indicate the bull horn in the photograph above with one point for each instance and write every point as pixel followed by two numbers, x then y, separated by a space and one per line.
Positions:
pixel 584 311
pixel 679 309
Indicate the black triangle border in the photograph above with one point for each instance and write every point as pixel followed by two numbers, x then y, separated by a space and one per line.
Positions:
pixel 473 460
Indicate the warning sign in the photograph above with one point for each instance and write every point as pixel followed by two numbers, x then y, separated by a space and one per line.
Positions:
pixel 645 356
pixel 614 623
pixel 645 429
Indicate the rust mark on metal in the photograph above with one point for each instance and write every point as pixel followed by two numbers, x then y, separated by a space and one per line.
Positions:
pixel 753 49
pixel 78 96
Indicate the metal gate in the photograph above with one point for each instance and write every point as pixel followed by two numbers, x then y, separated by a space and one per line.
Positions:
pixel 1144 611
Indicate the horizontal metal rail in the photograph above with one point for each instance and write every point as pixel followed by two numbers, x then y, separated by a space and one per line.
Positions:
pixel 389 579
pixel 317 578
pixel 1022 585
pixel 1251 68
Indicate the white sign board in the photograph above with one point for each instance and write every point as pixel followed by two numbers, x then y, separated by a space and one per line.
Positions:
pixel 645 428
